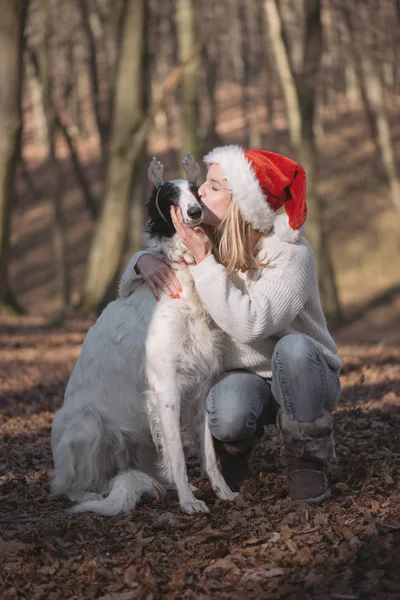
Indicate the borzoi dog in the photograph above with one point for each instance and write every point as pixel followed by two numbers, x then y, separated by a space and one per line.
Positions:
pixel 144 370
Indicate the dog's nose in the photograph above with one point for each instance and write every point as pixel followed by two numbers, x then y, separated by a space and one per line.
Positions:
pixel 194 212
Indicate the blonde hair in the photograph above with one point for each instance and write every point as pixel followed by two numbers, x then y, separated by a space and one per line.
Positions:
pixel 234 244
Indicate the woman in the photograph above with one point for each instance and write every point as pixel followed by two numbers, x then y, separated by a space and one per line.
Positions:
pixel 256 277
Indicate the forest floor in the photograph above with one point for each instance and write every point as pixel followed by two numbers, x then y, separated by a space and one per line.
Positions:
pixel 258 546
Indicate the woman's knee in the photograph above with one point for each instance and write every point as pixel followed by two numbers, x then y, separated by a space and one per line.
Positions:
pixel 302 382
pixel 293 352
pixel 228 428
pixel 234 404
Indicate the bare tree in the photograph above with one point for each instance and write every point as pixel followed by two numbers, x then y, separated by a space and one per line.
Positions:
pixel 94 76
pixel 285 73
pixel 129 130
pixel 190 107
pixel 371 84
pixel 210 64
pixel 12 23
pixel 300 92
pixel 45 68
pixel 316 230
pixel 125 146
pixel 252 52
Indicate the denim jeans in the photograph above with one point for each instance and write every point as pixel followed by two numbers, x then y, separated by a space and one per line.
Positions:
pixel 302 384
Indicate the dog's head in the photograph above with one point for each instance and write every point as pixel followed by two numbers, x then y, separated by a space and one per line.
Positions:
pixel 177 192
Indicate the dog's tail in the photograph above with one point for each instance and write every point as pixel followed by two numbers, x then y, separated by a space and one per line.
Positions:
pixel 125 490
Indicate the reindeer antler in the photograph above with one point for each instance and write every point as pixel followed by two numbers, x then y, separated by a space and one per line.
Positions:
pixel 155 172
pixel 191 167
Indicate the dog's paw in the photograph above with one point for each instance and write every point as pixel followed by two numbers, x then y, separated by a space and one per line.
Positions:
pixel 223 491
pixel 227 494
pixel 194 506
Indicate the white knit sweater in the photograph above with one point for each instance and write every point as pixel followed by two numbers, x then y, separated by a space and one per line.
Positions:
pixel 258 307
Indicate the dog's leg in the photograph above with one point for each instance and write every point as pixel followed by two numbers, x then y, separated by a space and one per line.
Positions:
pixel 208 459
pixel 147 459
pixel 195 439
pixel 171 438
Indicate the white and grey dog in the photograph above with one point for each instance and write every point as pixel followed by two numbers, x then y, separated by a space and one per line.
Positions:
pixel 144 370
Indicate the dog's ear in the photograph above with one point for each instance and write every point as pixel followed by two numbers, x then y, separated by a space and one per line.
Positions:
pixel 158 225
pixel 191 167
pixel 155 172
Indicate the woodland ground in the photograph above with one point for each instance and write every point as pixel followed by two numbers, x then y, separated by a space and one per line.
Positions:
pixel 257 546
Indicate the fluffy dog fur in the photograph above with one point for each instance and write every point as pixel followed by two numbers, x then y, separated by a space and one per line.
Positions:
pixel 144 370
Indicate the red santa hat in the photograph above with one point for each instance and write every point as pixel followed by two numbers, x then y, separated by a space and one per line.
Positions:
pixel 261 182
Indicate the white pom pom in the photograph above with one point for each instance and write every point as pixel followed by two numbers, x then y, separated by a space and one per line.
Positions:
pixel 284 231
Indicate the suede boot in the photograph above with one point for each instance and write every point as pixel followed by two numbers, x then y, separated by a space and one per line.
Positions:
pixel 307 450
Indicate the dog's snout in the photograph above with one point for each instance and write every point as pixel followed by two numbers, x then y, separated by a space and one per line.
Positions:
pixel 194 212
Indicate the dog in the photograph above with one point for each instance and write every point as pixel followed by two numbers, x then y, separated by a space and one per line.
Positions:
pixel 143 373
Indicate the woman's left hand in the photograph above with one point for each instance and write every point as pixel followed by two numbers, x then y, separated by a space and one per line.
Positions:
pixel 194 238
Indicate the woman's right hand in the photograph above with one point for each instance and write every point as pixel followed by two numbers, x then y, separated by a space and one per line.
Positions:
pixel 158 276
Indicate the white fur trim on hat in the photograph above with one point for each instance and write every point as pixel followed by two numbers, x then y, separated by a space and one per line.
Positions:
pixel 244 185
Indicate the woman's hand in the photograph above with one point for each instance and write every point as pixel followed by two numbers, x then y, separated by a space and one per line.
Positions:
pixel 158 276
pixel 194 238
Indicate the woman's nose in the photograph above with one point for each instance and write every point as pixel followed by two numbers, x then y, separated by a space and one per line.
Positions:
pixel 201 191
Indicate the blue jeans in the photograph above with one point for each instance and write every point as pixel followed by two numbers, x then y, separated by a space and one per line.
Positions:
pixel 302 384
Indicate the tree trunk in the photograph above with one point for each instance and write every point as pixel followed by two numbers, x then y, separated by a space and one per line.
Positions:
pixel 94 78
pixel 373 96
pixel 286 76
pixel 268 82
pixel 308 155
pixel 352 89
pixel 12 23
pixel 138 208
pixel 45 53
pixel 252 56
pixel 190 107
pixel 39 120
pixel 90 200
pixel 348 34
pixel 373 84
pixel 210 68
pixel 124 150
pixel 299 92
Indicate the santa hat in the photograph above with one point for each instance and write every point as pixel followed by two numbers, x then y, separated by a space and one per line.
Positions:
pixel 261 182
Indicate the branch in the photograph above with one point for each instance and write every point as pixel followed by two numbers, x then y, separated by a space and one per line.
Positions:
pixel 169 85
pixel 91 203
pixel 94 73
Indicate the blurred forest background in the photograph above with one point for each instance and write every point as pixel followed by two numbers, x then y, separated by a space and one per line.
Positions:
pixel 91 89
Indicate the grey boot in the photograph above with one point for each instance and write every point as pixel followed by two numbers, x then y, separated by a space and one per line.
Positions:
pixel 307 450
pixel 234 458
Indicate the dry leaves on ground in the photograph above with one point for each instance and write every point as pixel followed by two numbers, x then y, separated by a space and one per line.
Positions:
pixel 255 547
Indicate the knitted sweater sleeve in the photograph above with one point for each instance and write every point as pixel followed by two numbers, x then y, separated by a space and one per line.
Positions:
pixel 130 280
pixel 256 313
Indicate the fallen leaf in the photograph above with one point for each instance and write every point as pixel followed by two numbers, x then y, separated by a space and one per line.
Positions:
pixel 130 577
pixel 275 572
pixel 226 564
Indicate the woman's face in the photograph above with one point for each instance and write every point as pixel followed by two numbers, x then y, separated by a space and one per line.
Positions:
pixel 215 196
